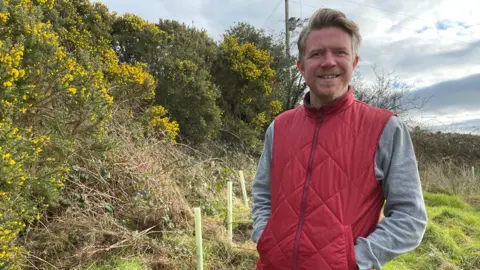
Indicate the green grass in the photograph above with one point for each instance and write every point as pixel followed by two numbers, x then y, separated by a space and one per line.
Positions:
pixel 119 264
pixel 452 239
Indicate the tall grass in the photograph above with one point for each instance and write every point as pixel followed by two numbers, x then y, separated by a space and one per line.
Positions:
pixel 448 178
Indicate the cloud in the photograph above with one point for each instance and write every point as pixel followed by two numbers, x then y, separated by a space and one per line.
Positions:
pixel 421 62
pixel 425 28
pixel 418 59
pixel 215 16
pixel 446 24
pixel 451 97
pixel 469 126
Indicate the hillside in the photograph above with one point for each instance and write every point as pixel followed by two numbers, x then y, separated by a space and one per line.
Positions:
pixel 143 214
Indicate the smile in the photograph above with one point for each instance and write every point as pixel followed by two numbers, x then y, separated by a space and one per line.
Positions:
pixel 328 76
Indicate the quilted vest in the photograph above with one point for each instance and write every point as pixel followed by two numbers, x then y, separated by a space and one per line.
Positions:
pixel 324 193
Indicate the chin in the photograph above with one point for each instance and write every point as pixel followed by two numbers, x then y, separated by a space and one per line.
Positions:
pixel 327 92
pixel 324 95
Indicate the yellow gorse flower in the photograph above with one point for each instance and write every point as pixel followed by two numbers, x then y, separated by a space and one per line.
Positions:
pixel 72 90
pixel 4 17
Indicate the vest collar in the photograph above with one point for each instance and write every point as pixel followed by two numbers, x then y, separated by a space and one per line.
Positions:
pixel 337 106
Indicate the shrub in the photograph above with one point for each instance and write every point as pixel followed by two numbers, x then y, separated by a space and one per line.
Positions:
pixel 56 105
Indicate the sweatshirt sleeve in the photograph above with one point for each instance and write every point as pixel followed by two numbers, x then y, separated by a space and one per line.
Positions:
pixel 261 188
pixel 404 224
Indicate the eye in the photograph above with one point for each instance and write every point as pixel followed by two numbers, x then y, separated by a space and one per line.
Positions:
pixel 341 52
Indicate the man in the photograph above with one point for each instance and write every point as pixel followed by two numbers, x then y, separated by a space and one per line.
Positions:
pixel 329 166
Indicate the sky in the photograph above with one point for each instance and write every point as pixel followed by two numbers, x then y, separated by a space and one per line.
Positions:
pixel 433 45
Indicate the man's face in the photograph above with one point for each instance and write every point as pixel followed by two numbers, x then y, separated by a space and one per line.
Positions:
pixel 327 64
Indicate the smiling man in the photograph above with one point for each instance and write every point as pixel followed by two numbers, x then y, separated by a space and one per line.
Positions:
pixel 329 166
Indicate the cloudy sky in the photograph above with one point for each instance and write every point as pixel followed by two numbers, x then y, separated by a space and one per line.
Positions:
pixel 432 44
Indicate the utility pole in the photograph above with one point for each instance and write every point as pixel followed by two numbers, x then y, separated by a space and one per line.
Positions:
pixel 287 31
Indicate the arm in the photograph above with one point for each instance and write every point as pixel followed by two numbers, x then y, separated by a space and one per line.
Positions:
pixel 405 221
pixel 261 188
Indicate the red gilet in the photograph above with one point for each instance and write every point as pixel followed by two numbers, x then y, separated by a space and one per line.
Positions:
pixel 324 193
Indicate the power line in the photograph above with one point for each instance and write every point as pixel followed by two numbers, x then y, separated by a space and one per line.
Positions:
pixel 271 14
pixel 287 32
pixel 394 25
pixel 394 12
pixel 398 13
pixel 301 10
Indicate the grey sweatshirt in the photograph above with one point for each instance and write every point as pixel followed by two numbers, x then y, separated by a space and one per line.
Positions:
pixel 404 224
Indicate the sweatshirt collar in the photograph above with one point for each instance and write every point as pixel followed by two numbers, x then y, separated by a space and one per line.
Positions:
pixel 337 106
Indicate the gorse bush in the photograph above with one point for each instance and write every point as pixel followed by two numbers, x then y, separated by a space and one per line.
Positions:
pixel 249 106
pixel 56 100
pixel 159 122
pixel 29 180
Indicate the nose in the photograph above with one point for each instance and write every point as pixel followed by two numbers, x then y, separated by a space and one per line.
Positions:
pixel 329 60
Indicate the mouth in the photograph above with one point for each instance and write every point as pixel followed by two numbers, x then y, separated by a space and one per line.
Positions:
pixel 329 77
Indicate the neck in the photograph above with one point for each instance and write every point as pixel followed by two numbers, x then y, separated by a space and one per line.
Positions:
pixel 318 102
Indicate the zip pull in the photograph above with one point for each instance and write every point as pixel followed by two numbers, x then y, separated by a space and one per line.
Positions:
pixel 320 118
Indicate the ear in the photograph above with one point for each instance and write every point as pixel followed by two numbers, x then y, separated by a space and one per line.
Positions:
pixel 300 67
pixel 355 61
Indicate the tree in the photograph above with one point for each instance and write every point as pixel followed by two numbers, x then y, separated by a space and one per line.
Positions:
pixel 186 85
pixel 288 85
pixel 136 40
pixel 245 77
pixel 387 92
pixel 179 59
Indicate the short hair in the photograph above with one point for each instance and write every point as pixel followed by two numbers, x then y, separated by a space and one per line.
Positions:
pixel 326 17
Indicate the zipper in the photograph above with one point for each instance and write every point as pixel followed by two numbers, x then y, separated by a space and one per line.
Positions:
pixel 319 121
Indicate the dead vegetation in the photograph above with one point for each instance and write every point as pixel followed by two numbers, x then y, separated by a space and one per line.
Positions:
pixel 447 178
pixel 137 201
pixel 446 161
pixel 454 148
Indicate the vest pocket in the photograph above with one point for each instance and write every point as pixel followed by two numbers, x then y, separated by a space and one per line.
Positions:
pixel 261 248
pixel 262 238
pixel 350 248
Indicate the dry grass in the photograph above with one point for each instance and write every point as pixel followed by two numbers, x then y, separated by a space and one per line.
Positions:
pixel 138 202
pixel 448 178
pixel 436 147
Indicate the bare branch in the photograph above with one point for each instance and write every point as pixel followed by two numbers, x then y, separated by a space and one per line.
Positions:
pixel 387 92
